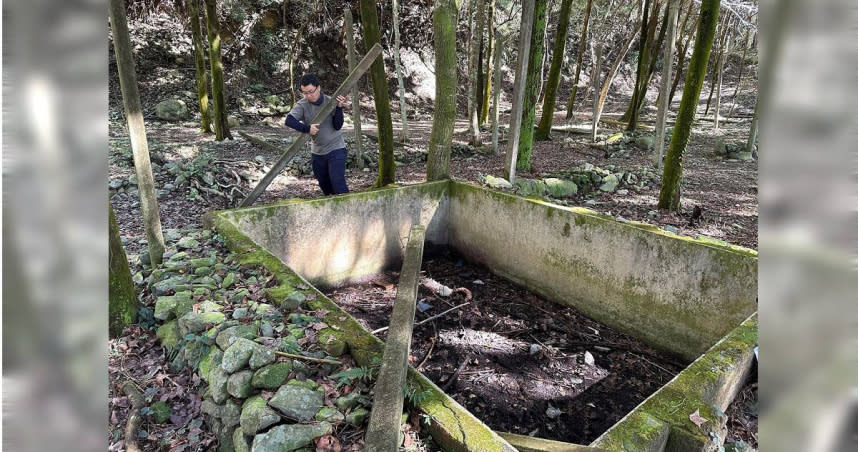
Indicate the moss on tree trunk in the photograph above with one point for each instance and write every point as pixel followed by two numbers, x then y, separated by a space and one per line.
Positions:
pixel 669 196
pixel 487 74
pixel 544 130
pixel 446 81
pixel 525 141
pixel 220 125
pixel 122 299
pixel 200 61
pixel 371 36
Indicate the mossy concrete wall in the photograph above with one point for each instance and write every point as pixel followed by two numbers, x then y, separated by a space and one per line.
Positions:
pixel 707 387
pixel 342 239
pixel 678 294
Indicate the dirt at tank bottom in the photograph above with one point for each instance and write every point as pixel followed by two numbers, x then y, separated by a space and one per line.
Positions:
pixel 520 363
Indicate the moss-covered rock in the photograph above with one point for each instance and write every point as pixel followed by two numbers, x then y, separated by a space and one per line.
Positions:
pixel 559 188
pixel 357 416
pixel 529 187
pixel 238 384
pixel 271 376
pixel 226 337
pixel 331 341
pixel 194 322
pixel 240 441
pixel 243 352
pixel 330 414
pixel 297 402
pixel 169 335
pixel 210 361
pixel 289 437
pixel 256 415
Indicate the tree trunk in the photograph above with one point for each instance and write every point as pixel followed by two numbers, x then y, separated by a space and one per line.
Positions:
pixel 136 131
pixel 609 79
pixel 582 44
pixel 642 58
pixel 200 60
pixel 669 195
pixel 681 55
pixel 444 20
pixel 719 77
pixel 663 106
pixel 499 42
pixel 525 141
pixel 741 72
pixel 597 109
pixel 474 74
pixel 480 71
pixel 543 132
pixel 122 298
pixel 396 44
pixel 713 69
pixel 352 57
pixel 519 88
pixel 678 35
pixel 371 36
pixel 220 125
pixel 293 52
pixel 752 135
pixel 654 44
pixel 492 49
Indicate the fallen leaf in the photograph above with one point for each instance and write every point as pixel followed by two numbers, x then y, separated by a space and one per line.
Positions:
pixel 697 419
pixel 328 443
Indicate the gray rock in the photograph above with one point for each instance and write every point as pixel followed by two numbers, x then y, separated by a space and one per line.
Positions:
pixel 529 187
pixel 217 384
pixel 271 376
pixel 243 352
pixel 289 437
pixel 293 300
pixel 266 329
pixel 559 188
pixel 186 243
pixel 228 413
pixel 226 337
pixel 330 414
pixel 238 384
pixel 348 401
pixel 240 313
pixel 745 156
pixel 497 182
pixel 357 416
pixel 172 110
pixel 644 142
pixel 671 229
pixel 115 184
pixel 240 441
pixel 194 322
pixel 228 280
pixel 297 402
pixel 256 415
pixel 622 192
pixel 609 183
pixel 652 213
pixel 232 121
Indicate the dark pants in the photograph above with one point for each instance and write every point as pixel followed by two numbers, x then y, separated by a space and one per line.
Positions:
pixel 330 171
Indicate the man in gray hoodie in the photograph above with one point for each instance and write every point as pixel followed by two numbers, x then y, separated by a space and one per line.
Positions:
pixel 328 147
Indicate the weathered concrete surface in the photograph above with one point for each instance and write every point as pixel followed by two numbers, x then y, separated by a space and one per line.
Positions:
pixel 678 294
pixel 707 386
pixel 382 435
pixel 344 238
pixel 530 444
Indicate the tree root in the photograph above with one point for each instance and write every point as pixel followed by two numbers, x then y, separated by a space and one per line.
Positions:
pixel 133 425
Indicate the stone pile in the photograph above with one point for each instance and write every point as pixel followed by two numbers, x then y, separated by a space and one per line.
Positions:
pixel 221 320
